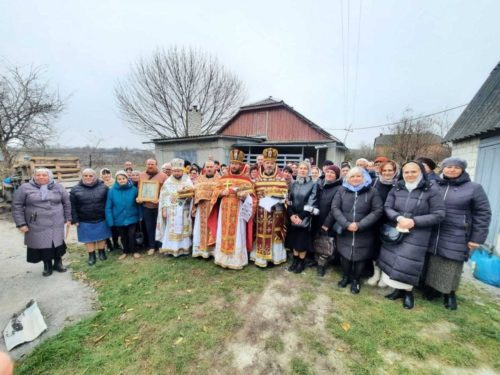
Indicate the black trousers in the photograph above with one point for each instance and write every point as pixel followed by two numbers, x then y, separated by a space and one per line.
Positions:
pixel 127 234
pixel 150 216
pixel 352 269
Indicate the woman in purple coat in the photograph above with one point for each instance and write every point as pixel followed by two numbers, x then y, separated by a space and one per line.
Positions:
pixel 40 209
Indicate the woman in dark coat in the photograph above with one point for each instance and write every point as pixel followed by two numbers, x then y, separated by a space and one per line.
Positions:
pixel 327 187
pixel 302 200
pixel 464 228
pixel 383 184
pixel 40 209
pixel 356 207
pixel 88 202
pixel 414 205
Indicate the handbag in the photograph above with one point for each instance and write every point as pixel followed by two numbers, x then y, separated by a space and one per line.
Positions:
pixel 323 244
pixel 390 235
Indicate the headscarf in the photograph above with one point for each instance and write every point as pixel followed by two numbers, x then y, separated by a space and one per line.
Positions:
pixel 91 171
pixel 367 180
pixel 44 189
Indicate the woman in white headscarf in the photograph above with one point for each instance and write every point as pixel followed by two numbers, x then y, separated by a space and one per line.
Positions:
pixel 40 209
pixel 413 206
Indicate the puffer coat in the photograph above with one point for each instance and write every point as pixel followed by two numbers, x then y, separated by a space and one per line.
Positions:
pixel 468 216
pixel 121 207
pixel 326 192
pixel 404 262
pixel 88 202
pixel 44 218
pixel 364 208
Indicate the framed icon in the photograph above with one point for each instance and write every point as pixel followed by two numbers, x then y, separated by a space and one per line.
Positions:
pixel 149 191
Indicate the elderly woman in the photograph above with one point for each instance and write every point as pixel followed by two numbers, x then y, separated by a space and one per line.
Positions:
pixel 123 212
pixel 383 184
pixel 40 209
pixel 414 206
pixel 88 202
pixel 464 228
pixel 356 207
pixel 302 200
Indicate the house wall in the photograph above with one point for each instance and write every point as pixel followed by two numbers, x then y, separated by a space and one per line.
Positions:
pixel 467 150
pixel 195 152
pixel 277 125
pixel 335 154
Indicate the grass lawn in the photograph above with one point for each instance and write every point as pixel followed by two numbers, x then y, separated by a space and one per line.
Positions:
pixel 162 315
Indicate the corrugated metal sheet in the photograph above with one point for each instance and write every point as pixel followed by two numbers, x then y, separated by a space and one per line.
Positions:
pixel 275 124
pixel 483 112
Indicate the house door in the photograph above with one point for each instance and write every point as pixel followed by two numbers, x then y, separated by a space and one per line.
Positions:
pixel 488 175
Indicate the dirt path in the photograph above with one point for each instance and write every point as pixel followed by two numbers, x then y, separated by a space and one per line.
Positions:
pixel 61 299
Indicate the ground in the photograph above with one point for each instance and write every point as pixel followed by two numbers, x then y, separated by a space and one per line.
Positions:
pixel 187 316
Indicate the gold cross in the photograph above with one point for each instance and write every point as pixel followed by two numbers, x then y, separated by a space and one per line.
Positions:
pixel 228 184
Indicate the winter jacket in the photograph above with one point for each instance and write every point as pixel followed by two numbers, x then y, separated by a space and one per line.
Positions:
pixel 364 208
pixel 121 207
pixel 326 192
pixel 88 202
pixel 302 198
pixel 405 261
pixel 383 189
pixel 468 216
pixel 44 218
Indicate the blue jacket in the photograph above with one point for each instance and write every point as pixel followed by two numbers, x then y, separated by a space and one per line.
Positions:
pixel 121 208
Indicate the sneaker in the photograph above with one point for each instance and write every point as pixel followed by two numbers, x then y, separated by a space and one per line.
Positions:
pixel 123 256
pixel 151 251
pixel 136 255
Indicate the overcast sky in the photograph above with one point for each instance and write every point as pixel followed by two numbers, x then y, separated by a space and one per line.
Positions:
pixel 427 55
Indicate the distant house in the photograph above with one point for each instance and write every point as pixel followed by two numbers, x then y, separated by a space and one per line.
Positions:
pixel 267 123
pixel 475 137
pixel 384 145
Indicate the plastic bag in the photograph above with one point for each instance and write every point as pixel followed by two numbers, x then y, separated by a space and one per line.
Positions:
pixel 487 267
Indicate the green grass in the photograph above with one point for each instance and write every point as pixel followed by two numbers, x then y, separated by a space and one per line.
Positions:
pixel 164 315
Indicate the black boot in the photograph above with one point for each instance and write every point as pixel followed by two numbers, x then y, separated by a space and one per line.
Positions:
pixel 294 264
pixel 58 265
pixel 408 301
pixel 102 255
pixel 344 281
pixel 109 245
pixel 300 266
pixel 450 301
pixel 92 258
pixel 320 270
pixel 355 287
pixel 47 268
pixel 397 293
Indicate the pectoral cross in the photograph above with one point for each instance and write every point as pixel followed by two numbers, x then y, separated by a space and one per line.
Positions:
pixel 228 184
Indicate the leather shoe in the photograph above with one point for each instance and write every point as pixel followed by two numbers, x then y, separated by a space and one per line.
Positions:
pixel 47 268
pixel 408 301
pixel 344 281
pixel 450 301
pixel 102 255
pixel 294 264
pixel 58 265
pixel 355 287
pixel 300 266
pixel 397 293
pixel 92 259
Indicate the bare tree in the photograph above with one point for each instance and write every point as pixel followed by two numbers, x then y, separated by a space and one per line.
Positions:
pixel 28 108
pixel 413 138
pixel 156 97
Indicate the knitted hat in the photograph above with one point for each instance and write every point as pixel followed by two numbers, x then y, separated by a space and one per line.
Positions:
pixel 333 168
pixel 121 172
pixel 457 162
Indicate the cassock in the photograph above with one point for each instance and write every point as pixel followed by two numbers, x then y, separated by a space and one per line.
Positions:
pixel 175 232
pixel 205 216
pixel 235 221
pixel 269 246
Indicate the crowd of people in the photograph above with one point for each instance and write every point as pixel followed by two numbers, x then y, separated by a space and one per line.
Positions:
pixel 398 226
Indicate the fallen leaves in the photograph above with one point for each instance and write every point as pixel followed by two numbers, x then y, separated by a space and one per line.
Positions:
pixel 345 326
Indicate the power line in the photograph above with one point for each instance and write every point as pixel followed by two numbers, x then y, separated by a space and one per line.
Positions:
pixel 351 129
